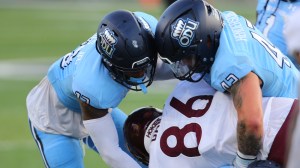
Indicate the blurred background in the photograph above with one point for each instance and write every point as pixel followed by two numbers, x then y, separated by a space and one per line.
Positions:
pixel 34 33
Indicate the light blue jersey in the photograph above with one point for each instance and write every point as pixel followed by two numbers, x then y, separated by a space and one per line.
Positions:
pixel 54 110
pixel 270 21
pixel 81 74
pixel 243 49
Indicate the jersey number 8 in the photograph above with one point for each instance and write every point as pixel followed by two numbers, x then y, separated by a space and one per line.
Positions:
pixel 180 133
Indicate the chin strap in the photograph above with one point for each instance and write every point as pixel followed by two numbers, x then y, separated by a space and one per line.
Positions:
pixel 141 84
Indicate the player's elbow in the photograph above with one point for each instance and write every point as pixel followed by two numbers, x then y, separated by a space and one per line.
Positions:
pixel 251 122
pixel 254 126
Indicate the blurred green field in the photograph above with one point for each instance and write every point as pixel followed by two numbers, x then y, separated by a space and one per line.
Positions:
pixel 44 29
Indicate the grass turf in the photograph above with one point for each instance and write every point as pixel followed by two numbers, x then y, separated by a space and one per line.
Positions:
pixel 49 29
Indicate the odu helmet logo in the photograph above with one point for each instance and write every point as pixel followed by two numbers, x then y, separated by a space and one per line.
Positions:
pixel 184 31
pixel 108 41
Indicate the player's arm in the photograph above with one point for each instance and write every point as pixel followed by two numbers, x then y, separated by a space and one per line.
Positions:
pixel 247 99
pixel 101 128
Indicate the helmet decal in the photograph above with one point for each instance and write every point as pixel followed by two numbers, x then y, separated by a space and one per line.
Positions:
pixel 108 41
pixel 184 31
pixel 135 44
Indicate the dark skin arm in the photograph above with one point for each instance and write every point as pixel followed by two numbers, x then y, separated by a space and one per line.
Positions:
pixel 107 146
pixel 247 99
pixel 89 112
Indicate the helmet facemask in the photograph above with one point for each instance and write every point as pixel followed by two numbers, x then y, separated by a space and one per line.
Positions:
pixel 136 79
pixel 183 71
pixel 189 64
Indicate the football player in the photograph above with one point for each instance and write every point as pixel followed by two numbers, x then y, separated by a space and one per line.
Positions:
pixel 271 15
pixel 197 129
pixel 292 36
pixel 82 90
pixel 232 56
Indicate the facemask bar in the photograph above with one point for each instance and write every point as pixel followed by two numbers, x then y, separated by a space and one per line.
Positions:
pixel 184 68
pixel 139 82
pixel 182 71
pixel 179 69
pixel 136 84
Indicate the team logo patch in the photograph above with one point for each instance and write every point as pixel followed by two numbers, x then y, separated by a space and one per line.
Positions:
pixel 184 31
pixel 108 41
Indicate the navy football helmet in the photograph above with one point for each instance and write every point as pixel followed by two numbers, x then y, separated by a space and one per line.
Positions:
pixel 187 37
pixel 264 164
pixel 136 129
pixel 128 49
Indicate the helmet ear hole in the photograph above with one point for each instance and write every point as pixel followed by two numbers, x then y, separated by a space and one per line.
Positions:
pixel 209 10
